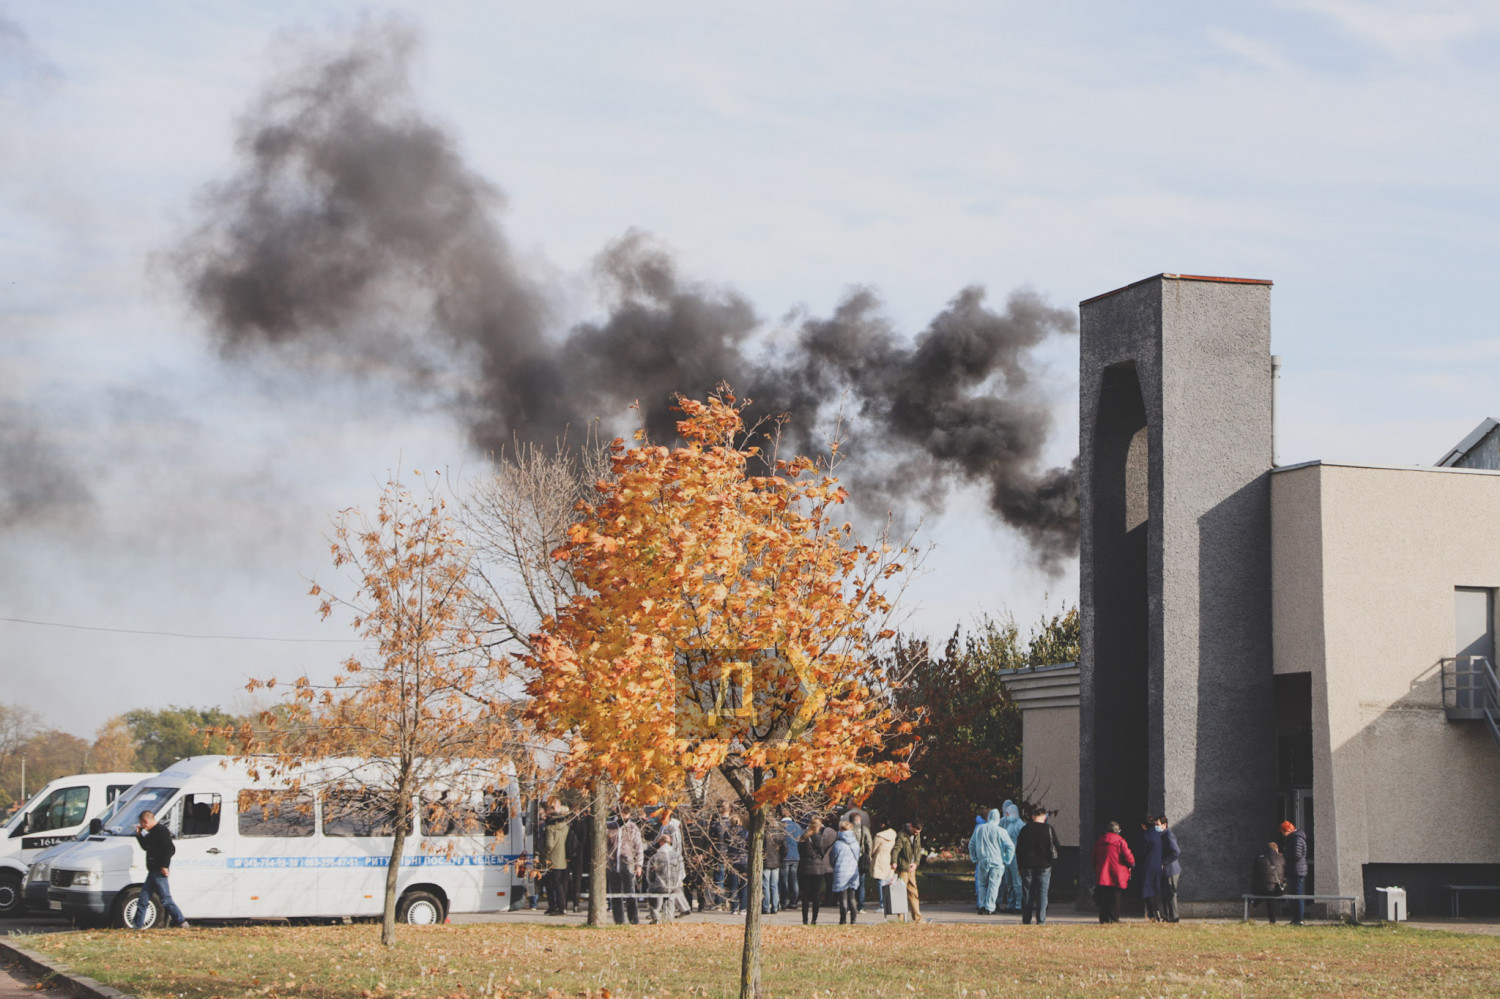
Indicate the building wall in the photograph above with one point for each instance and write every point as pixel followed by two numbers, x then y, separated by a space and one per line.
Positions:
pixel 1049 765
pixel 1365 565
pixel 1175 654
pixel 1048 699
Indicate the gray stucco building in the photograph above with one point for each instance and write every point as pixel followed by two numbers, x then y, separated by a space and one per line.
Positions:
pixel 1174 589
pixel 1257 639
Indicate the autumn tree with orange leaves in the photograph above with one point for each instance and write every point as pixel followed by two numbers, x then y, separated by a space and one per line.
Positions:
pixel 420 706
pixel 726 620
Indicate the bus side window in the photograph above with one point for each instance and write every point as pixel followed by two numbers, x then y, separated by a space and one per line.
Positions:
pixel 200 815
pixel 353 812
pixel 273 814
pixel 450 815
pixel 497 814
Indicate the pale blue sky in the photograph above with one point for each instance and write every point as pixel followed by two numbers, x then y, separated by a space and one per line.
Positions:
pixel 1347 150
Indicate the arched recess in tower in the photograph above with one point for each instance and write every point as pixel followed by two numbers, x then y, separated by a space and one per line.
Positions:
pixel 1121 520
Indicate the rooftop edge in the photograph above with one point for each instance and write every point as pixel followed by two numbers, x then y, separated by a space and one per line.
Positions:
pixel 1177 277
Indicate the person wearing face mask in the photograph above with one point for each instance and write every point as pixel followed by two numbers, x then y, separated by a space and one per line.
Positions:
pixel 1171 869
pixel 1149 867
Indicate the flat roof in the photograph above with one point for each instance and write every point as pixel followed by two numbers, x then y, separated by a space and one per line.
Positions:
pixel 1446 470
pixel 1177 277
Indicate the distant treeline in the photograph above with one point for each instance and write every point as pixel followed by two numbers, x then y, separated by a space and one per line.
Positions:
pixel 142 740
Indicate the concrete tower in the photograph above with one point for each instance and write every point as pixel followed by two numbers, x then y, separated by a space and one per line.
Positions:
pixel 1175 455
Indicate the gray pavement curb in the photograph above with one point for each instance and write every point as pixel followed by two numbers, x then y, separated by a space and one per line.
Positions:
pixel 50 973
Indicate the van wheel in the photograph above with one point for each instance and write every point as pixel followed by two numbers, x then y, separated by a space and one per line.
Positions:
pixel 123 916
pixel 12 902
pixel 419 908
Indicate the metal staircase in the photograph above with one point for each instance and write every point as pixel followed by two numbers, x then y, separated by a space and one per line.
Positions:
pixel 1471 691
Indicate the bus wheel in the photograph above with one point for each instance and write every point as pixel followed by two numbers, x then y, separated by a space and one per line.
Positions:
pixel 419 908
pixel 123 917
pixel 12 902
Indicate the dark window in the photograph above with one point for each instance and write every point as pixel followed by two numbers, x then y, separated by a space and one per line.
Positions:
pixel 278 814
pixel 114 791
pixel 62 809
pixel 199 815
pixel 449 814
pixel 497 813
pixel 357 813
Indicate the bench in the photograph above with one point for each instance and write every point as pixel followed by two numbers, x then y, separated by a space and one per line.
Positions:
pixel 1455 890
pixel 1341 899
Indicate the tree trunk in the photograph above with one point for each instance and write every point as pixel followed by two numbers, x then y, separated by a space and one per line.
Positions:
pixel 393 871
pixel 750 959
pixel 599 858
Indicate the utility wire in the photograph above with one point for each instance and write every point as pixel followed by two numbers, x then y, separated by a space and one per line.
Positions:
pixel 171 634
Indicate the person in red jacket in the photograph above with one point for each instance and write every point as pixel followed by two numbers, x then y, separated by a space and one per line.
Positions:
pixel 1112 863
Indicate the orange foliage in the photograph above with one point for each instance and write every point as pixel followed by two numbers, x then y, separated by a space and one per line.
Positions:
pixel 726 621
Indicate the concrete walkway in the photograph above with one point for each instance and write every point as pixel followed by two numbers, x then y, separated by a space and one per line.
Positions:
pixel 941 913
pixel 14 984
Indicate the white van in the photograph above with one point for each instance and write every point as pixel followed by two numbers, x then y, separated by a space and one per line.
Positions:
pixel 56 814
pixel 245 851
pixel 38 875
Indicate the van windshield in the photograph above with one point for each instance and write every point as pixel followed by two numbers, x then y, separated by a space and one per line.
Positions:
pixel 128 812
pixel 20 816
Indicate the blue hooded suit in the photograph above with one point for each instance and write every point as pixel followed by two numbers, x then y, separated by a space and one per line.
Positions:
pixel 992 850
pixel 1010 884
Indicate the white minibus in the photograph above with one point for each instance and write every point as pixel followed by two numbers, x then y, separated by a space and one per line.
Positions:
pixel 248 849
pixel 38 875
pixel 56 814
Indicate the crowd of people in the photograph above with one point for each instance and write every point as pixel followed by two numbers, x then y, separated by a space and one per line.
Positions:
pixel 700 861
pixel 1280 870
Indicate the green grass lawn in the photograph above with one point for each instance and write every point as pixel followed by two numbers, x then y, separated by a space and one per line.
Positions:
pixel 964 961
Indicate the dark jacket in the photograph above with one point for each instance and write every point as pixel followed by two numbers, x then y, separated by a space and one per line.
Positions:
pixel 736 848
pixel 1268 874
pixel 1034 845
pixel 157 842
pixel 1150 862
pixel 775 846
pixel 1294 849
pixel 908 852
pixel 1171 854
pixel 814 852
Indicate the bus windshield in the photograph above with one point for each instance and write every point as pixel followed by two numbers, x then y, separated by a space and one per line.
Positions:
pixel 128 810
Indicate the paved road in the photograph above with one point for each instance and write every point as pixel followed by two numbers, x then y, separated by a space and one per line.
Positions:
pixel 15 983
pixel 33 923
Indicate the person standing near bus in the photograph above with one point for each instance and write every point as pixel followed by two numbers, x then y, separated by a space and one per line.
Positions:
pixel 555 856
pixel 156 840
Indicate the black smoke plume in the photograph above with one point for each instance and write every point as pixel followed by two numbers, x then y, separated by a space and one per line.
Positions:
pixel 354 226
pixel 38 483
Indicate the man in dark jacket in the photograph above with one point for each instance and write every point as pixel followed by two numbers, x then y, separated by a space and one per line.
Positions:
pixel 1171 869
pixel 1294 849
pixel 156 840
pixel 1037 847
pixel 772 857
pixel 1268 876
pixel 905 858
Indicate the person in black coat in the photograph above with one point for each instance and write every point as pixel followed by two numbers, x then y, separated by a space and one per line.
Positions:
pixel 1294 849
pixel 1268 876
pixel 1171 869
pixel 156 840
pixel 1037 848
pixel 814 864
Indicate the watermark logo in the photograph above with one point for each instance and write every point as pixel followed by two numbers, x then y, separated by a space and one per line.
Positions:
pixel 744 695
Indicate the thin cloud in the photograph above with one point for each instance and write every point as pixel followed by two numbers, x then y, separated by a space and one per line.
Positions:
pixel 1408 30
